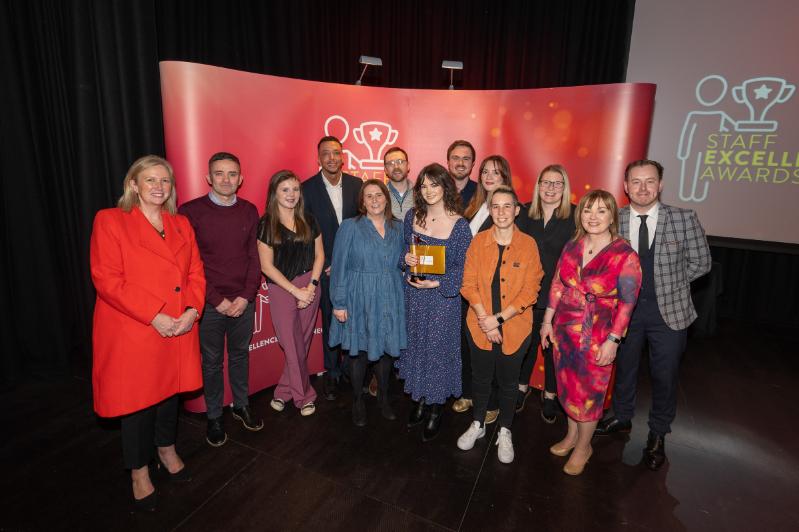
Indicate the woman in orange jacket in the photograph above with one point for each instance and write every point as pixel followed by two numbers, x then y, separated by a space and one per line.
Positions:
pixel 501 279
pixel 150 286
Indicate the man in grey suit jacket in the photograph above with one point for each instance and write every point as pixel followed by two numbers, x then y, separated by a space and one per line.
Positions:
pixel 331 196
pixel 673 250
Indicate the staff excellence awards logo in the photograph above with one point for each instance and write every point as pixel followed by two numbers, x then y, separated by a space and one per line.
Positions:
pixel 726 143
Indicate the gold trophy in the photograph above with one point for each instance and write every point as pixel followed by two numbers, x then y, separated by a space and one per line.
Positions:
pixel 431 259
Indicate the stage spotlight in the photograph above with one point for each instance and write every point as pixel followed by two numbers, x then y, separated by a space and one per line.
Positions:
pixel 366 61
pixel 452 66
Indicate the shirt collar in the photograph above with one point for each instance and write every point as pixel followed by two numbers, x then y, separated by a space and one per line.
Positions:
pixel 330 185
pixel 218 201
pixel 493 241
pixel 651 213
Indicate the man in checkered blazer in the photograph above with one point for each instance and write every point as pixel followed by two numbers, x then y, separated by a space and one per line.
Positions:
pixel 673 250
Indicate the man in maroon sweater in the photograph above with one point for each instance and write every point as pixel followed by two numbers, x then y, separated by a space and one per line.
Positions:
pixel 226 226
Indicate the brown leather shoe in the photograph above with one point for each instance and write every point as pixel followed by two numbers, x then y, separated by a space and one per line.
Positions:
pixel 462 405
pixel 491 416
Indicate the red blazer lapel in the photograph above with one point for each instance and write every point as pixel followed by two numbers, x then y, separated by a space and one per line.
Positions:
pixel 151 240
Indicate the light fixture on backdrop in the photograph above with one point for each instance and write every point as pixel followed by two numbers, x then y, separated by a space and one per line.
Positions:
pixel 368 61
pixel 452 66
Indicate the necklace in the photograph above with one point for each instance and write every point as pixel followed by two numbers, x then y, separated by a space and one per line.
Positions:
pixel 591 249
pixel 155 224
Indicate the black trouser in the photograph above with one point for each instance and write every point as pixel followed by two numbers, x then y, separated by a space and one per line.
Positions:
pixel 332 355
pixel 382 369
pixel 666 347
pixel 466 362
pixel 528 364
pixel 494 365
pixel 154 426
pixel 214 327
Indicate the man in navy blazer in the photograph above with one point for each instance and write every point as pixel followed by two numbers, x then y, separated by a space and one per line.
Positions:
pixel 673 250
pixel 331 196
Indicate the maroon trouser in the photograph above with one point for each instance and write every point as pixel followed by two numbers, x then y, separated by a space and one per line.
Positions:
pixel 294 329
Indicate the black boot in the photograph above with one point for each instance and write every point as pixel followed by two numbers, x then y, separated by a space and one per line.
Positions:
pixel 359 411
pixel 549 408
pixel 655 451
pixel 418 411
pixel 382 372
pixel 433 422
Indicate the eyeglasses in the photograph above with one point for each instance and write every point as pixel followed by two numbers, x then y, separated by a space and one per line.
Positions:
pixel 396 162
pixel 557 185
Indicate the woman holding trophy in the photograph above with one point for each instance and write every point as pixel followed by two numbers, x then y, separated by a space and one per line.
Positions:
pixel 436 238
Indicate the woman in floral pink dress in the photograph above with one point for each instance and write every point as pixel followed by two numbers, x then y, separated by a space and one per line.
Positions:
pixel 593 294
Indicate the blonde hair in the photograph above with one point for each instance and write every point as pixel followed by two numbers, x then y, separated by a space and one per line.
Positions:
pixel 130 198
pixel 587 202
pixel 563 211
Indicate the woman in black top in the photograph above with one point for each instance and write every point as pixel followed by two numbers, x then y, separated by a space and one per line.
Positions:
pixel 550 222
pixel 292 257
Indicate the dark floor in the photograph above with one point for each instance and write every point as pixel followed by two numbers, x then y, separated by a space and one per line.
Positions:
pixel 732 463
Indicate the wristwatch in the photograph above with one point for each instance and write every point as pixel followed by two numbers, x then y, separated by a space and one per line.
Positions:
pixel 315 282
pixel 614 338
pixel 500 319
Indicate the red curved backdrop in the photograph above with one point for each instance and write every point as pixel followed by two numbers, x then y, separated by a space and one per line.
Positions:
pixel 272 123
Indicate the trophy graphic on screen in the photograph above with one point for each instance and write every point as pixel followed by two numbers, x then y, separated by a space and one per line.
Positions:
pixel 374 135
pixel 760 95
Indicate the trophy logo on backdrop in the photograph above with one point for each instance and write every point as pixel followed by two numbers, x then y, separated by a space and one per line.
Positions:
pixel 372 137
pixel 736 139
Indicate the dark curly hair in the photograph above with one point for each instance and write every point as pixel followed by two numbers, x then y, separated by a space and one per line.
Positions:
pixel 438 175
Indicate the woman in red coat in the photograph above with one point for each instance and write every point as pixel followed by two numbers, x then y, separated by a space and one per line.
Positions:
pixel 150 284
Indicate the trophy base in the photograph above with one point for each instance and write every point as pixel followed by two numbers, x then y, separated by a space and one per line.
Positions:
pixel 765 126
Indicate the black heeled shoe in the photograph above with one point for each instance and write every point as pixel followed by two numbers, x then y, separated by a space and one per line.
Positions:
pixel 433 423
pixel 181 476
pixel 147 504
pixel 418 411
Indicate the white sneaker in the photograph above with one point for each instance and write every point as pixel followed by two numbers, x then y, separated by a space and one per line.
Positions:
pixel 472 434
pixel 504 446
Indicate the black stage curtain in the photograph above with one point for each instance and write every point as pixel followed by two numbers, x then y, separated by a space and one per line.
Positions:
pixel 81 96
pixel 82 101
pixel 504 45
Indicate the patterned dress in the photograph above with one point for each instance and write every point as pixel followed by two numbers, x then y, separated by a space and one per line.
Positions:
pixel 431 366
pixel 590 303
pixel 366 281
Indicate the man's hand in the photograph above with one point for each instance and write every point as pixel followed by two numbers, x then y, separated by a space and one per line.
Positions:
pixel 238 307
pixel 224 307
